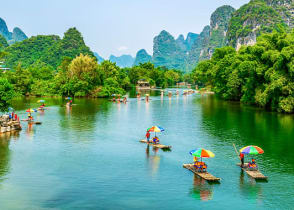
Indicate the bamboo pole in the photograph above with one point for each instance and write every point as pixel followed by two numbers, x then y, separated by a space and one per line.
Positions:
pixel 237 152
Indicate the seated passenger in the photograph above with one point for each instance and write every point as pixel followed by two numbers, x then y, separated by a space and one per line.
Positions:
pixel 30 117
pixel 252 164
pixel 204 168
pixel 197 165
pixel 202 165
pixel 155 140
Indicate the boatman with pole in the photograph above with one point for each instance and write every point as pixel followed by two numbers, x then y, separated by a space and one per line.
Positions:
pixel 242 159
pixel 148 136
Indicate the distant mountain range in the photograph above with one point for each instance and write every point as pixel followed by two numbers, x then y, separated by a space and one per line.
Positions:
pixel 227 27
pixel 99 58
pixel 17 35
pixel 181 53
pixel 142 57
pixel 122 61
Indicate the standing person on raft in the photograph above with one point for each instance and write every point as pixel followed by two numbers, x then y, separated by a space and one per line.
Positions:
pixel 148 136
pixel 242 159
pixel 30 117
pixel 42 106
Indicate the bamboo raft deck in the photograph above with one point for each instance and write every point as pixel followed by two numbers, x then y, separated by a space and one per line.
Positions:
pixel 255 174
pixel 205 175
pixel 32 122
pixel 160 146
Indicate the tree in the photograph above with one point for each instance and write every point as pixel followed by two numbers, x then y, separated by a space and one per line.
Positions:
pixel 21 80
pixel 83 75
pixel 6 93
pixel 262 74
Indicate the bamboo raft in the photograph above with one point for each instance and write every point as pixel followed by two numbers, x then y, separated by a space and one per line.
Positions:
pixel 160 146
pixel 32 122
pixel 255 174
pixel 205 175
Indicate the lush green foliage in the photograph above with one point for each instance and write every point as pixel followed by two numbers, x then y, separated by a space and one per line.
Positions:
pixel 262 74
pixel 156 76
pixel 48 49
pixel 83 76
pixel 3 42
pixel 6 93
pixel 48 65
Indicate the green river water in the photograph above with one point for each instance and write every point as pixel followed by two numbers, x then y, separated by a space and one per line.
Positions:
pixel 90 157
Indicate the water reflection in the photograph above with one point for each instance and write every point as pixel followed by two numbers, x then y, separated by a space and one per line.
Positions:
pixel 245 125
pixel 68 110
pixel 23 103
pixel 153 160
pixel 30 130
pixel 250 189
pixel 82 115
pixel 201 190
pixel 5 152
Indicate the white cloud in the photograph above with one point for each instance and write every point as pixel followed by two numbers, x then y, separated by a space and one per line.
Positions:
pixel 122 48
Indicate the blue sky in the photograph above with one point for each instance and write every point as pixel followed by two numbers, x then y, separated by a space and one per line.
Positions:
pixel 112 26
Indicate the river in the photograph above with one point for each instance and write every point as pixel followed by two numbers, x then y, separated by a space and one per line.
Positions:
pixel 90 157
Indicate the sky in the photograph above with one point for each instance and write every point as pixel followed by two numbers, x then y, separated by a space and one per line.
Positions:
pixel 112 26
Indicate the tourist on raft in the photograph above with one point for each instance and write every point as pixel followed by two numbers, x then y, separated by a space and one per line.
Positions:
pixel 242 159
pixel 155 140
pixel 30 117
pixel 252 164
pixel 148 136
pixel 195 159
pixel 42 106
pixel 200 166
pixel 125 100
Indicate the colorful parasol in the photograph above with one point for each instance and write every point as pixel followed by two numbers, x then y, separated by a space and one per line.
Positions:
pixel 156 129
pixel 68 98
pixel 202 153
pixel 31 110
pixel 41 101
pixel 251 150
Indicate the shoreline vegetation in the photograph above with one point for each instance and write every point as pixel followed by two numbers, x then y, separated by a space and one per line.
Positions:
pixel 259 75
pixel 51 66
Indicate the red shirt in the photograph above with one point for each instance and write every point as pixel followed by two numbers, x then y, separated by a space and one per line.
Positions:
pixel 147 134
pixel 241 155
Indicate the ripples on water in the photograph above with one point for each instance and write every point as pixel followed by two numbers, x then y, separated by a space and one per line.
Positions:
pixel 89 157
